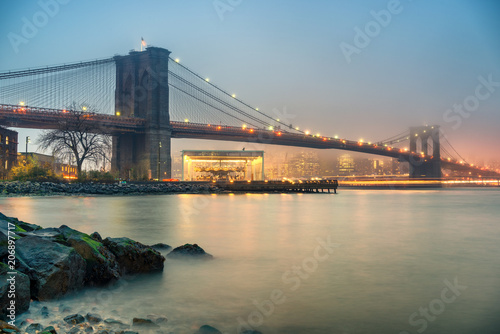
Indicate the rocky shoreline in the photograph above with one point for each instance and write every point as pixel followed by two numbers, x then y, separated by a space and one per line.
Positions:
pixel 16 188
pixel 48 263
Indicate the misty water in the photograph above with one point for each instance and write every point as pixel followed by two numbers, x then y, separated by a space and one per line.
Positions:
pixel 357 262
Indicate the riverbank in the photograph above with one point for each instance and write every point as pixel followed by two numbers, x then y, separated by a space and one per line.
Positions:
pixel 16 188
pixel 38 266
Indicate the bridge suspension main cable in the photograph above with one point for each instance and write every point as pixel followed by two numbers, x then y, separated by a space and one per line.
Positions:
pixel 453 148
pixel 214 102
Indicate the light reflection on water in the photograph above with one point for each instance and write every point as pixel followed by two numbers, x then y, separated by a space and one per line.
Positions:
pixel 396 249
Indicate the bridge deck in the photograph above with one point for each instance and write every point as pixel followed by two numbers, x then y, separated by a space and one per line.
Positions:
pixel 46 118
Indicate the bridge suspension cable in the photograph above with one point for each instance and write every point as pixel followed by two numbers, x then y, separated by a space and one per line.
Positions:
pixel 453 148
pixel 54 68
pixel 88 84
pixel 395 139
pixel 223 105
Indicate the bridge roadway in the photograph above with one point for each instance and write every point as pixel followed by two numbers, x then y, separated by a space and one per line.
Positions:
pixel 46 118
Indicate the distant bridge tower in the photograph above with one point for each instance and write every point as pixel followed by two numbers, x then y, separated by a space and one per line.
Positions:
pixel 425 168
pixel 142 91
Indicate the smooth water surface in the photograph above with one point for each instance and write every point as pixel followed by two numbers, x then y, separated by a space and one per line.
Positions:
pixel 357 262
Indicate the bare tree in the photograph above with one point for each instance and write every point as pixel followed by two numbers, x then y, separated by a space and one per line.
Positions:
pixel 77 136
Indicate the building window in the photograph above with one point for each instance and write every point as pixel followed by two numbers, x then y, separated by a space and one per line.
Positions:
pixel 6 140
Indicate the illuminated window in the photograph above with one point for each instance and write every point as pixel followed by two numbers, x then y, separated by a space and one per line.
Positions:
pixel 6 140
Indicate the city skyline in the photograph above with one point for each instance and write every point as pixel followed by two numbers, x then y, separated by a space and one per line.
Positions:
pixel 418 65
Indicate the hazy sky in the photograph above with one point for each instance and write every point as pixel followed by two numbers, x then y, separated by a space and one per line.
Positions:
pixel 358 69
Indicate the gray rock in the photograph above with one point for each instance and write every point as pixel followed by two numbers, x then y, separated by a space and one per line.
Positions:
pixel 113 323
pixel 54 271
pixel 134 257
pixel 206 329
pixel 96 236
pixel 74 330
pixel 33 328
pixel 4 241
pixel 161 247
pixel 74 319
pixel 93 318
pixel 101 265
pixel 49 329
pixel 158 319
pixel 140 322
pixel 22 287
pixel 44 312
pixel 192 251
pixel 67 309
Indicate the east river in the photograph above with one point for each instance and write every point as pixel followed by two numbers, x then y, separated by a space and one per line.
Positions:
pixel 362 261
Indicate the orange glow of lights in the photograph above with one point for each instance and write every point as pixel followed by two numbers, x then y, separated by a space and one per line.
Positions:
pixel 251 130
pixel 325 139
pixel 278 133
pixel 219 127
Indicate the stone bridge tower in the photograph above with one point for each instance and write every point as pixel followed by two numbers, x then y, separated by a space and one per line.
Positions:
pixel 425 168
pixel 142 91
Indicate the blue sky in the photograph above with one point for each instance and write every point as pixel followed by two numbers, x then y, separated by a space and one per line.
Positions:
pixel 425 58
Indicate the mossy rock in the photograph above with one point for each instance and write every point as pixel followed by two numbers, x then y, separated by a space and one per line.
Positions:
pixel 101 264
pixel 134 257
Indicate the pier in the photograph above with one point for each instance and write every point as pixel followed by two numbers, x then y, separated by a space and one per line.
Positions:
pixel 284 186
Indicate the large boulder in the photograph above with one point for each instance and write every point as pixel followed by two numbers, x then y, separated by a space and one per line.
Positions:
pixel 4 242
pixel 20 225
pixel 101 264
pixel 187 251
pixel 22 291
pixel 54 269
pixel 134 257
pixel 206 329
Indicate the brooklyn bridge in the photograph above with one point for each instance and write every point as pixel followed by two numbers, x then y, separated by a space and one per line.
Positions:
pixel 144 99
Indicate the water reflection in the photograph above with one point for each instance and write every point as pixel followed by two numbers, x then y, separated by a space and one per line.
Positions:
pixel 396 250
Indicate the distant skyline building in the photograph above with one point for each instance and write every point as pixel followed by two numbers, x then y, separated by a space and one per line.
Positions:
pixel 345 165
pixel 8 150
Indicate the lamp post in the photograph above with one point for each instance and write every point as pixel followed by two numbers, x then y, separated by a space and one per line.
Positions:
pixel 28 140
pixel 159 163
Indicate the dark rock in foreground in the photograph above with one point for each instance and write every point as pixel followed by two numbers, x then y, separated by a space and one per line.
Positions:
pixel 34 328
pixel 144 323
pixel 6 328
pixel 189 251
pixel 101 264
pixel 74 319
pixel 161 247
pixel 206 329
pixel 52 262
pixel 22 287
pixel 54 269
pixel 134 257
pixel 116 324
pixel 93 318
